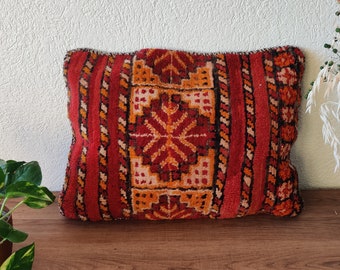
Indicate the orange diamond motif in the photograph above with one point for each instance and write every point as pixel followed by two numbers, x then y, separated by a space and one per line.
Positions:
pixel 170 136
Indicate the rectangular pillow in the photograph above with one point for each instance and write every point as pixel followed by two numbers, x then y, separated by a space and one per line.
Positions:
pixel 165 134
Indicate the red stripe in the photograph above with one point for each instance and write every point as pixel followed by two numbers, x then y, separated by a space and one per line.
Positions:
pixel 74 71
pixel 262 131
pixel 113 149
pixel 92 161
pixel 232 188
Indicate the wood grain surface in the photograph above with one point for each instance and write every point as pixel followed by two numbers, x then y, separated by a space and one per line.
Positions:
pixel 310 241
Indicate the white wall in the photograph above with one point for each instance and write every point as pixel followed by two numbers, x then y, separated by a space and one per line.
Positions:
pixel 35 34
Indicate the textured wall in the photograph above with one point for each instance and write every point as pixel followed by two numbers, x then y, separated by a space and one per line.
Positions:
pixel 35 34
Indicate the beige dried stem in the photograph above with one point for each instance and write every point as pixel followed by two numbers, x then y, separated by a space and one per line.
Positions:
pixel 328 81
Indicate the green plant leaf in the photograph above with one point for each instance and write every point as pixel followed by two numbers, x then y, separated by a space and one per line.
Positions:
pixel 9 169
pixel 20 260
pixel 8 179
pixel 29 172
pixel 12 165
pixel 9 233
pixel 2 164
pixel 2 178
pixel 27 189
pixel 39 203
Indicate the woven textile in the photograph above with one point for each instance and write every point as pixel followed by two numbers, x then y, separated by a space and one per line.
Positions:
pixel 164 134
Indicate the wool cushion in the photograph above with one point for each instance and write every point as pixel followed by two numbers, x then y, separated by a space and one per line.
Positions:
pixel 165 134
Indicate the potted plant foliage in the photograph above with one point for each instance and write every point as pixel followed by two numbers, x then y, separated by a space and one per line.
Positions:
pixel 19 179
pixel 328 80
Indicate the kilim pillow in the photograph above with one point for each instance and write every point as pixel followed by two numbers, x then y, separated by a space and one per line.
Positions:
pixel 164 134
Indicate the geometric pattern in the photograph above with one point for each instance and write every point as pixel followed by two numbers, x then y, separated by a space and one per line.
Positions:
pixel 171 134
pixel 165 134
pixel 248 166
pixel 104 141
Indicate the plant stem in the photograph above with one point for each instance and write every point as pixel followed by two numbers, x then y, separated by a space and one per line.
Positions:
pixel 2 241
pixel 3 207
pixel 12 210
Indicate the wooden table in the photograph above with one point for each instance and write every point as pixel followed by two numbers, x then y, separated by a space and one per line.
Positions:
pixel 310 241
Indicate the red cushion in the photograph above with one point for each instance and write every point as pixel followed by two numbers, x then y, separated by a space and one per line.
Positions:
pixel 163 134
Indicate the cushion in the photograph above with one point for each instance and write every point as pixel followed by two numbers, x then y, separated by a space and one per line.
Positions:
pixel 166 134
